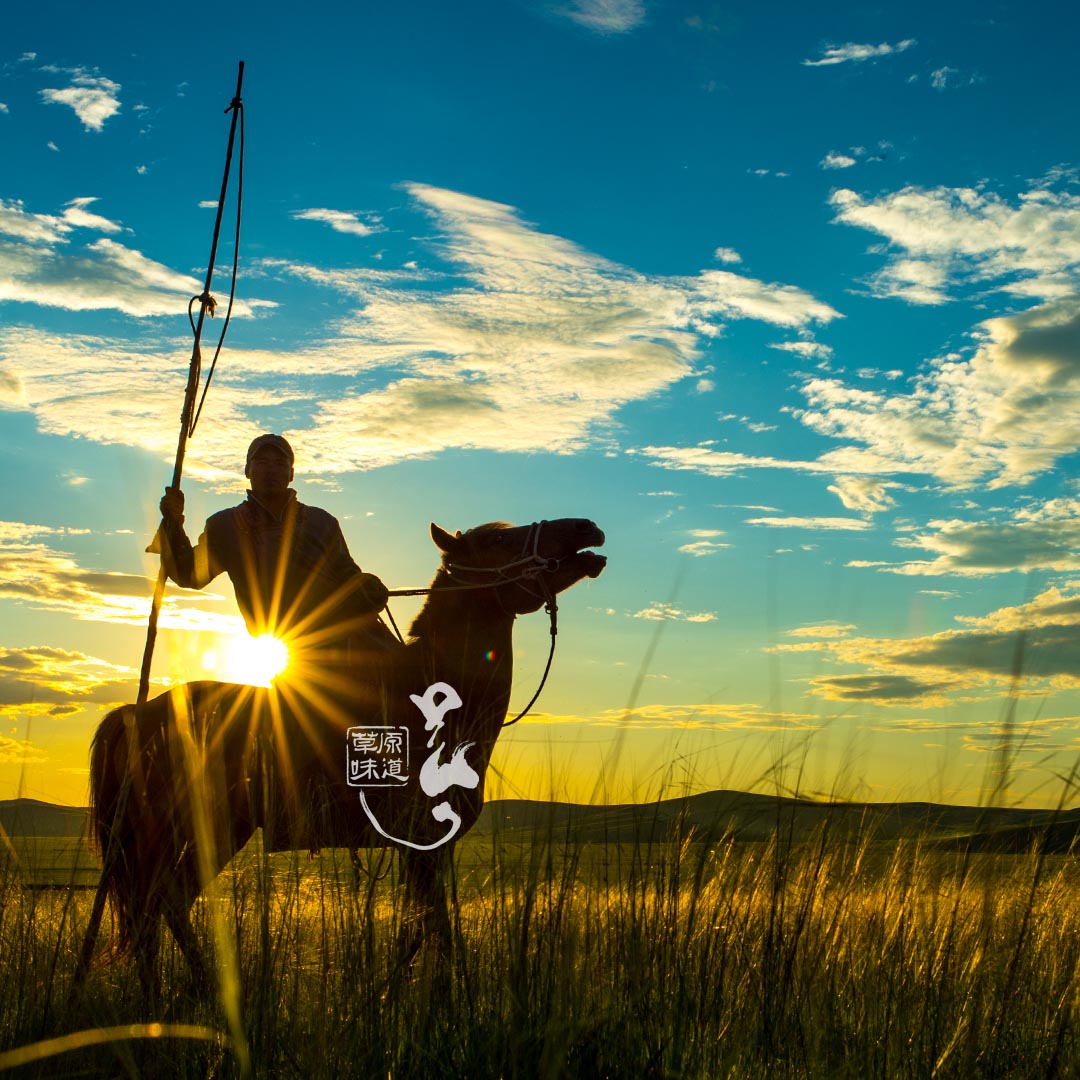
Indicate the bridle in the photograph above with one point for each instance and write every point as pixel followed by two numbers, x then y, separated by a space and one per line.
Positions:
pixel 530 566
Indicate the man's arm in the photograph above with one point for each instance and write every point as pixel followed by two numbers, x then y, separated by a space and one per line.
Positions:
pixel 190 567
pixel 367 593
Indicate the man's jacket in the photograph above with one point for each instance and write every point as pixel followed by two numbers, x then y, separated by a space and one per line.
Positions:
pixel 293 575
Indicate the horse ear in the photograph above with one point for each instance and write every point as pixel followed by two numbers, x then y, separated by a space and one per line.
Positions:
pixel 443 540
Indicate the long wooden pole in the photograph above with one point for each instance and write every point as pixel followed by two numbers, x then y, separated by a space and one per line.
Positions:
pixel 206 303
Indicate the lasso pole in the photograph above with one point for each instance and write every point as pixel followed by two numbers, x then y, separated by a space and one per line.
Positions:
pixel 206 303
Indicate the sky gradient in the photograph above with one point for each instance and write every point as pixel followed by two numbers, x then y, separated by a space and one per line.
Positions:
pixel 785 300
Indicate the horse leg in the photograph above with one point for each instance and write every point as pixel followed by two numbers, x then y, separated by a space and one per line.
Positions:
pixel 426 916
pixel 142 913
pixel 177 912
pixel 185 888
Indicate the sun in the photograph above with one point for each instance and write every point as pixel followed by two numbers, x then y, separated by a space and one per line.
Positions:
pixel 254 660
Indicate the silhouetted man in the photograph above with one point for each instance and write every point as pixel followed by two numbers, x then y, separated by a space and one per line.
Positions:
pixel 289 564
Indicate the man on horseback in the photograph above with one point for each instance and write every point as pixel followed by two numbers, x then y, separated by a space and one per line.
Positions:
pixel 289 565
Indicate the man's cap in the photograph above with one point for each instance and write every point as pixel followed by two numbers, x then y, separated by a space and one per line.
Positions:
pixel 276 441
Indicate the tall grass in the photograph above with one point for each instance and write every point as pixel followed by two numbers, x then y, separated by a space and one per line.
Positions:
pixel 676 959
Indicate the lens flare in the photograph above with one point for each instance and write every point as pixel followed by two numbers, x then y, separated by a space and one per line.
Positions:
pixel 255 660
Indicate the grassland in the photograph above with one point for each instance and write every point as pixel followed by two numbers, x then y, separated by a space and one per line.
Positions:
pixel 815 956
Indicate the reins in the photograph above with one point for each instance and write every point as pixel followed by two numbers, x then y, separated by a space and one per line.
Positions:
pixel 534 565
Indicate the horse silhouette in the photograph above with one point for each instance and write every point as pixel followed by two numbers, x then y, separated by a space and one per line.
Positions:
pixel 179 786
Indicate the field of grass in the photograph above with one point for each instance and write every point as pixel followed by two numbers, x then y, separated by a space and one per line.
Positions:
pixel 762 959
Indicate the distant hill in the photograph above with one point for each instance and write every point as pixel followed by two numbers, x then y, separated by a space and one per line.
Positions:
pixel 711 816
pixel 31 817
pixel 745 817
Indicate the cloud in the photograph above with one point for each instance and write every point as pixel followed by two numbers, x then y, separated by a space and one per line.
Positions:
pixel 605 16
pixel 881 689
pixel 93 97
pixel 527 342
pixel 710 715
pixel 705 542
pixel 3 108
pixel 342 221
pixel 18 750
pixel 940 77
pixel 709 462
pixel 842 54
pixel 833 160
pixel 39 265
pixel 727 255
pixel 808 350
pixel 721 293
pixel 1042 537
pixel 998 418
pixel 660 611
pixel 947 239
pixel 1031 647
pixel 39 576
pixel 823 630
pixel 827 524
pixel 77 216
pixel 57 682
pixel 863 494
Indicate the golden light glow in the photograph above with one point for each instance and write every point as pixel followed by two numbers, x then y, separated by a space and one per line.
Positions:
pixel 253 660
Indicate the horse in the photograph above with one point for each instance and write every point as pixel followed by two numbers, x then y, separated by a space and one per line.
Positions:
pixel 179 785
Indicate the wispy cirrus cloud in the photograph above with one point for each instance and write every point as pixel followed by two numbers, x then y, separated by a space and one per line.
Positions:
pixel 710 462
pixel 604 16
pixel 705 542
pixel 528 342
pixel 661 611
pixel 709 716
pixel 93 98
pixel 822 524
pixel 342 221
pixel 856 53
pixel 39 264
pixel 864 494
pixel 823 630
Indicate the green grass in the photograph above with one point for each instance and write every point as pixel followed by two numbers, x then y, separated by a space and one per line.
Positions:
pixel 819 959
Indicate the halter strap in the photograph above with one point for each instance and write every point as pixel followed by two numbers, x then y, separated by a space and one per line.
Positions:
pixel 532 566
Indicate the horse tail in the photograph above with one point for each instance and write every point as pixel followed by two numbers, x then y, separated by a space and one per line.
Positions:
pixel 111 824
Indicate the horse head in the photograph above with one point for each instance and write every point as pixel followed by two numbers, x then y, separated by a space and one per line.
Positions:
pixel 526 564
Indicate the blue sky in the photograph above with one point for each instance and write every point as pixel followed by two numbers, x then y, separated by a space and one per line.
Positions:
pixel 785 299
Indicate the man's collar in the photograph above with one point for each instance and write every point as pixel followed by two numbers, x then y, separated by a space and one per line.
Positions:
pixel 290 500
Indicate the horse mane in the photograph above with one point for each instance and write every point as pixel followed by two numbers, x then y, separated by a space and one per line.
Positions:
pixel 487 527
pixel 421 624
